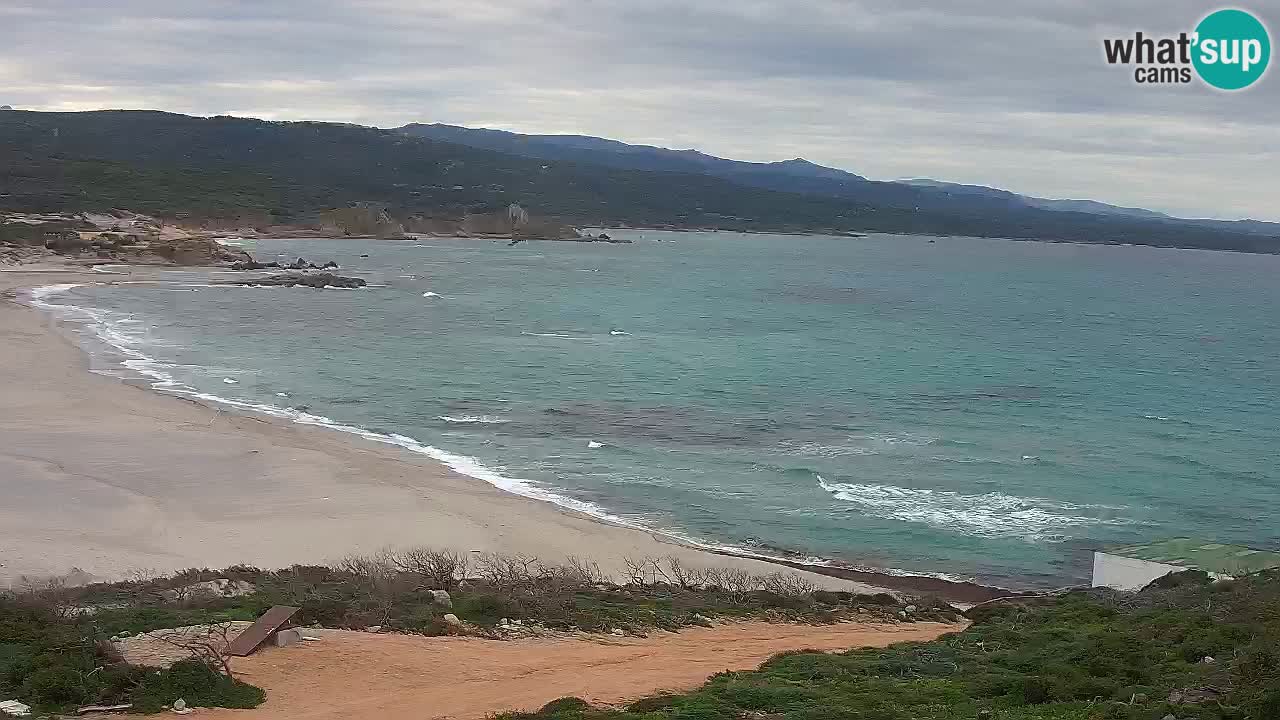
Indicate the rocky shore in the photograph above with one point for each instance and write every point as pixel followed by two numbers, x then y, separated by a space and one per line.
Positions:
pixel 318 280
pixel 118 236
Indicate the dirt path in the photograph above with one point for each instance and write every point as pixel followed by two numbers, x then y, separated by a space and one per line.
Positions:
pixel 360 676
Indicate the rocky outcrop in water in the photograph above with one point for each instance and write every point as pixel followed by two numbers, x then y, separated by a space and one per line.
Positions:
pixel 299 264
pixel 319 280
pixel 603 237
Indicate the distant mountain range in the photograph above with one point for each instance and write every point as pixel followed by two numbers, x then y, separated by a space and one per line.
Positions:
pixel 226 170
pixel 787 175
pixel 796 176
pixel 1095 207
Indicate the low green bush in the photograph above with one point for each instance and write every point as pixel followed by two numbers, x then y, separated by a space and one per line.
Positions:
pixel 1088 655
pixel 52 662
pixel 195 683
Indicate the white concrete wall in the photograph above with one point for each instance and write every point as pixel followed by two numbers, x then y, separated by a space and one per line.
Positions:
pixel 1124 573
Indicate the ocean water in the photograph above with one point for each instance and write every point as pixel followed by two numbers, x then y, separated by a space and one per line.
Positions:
pixel 982 409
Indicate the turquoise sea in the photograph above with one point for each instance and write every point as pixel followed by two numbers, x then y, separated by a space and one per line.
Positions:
pixel 983 409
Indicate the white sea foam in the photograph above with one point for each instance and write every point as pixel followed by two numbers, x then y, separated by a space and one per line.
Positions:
pixel 903 439
pixel 618 332
pixel 110 331
pixel 561 336
pixel 992 515
pixel 814 449
pixel 429 294
pixel 473 419
pixel 107 329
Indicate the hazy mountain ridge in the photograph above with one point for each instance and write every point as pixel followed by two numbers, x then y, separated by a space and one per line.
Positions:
pixel 178 166
pixel 797 175
pixel 614 153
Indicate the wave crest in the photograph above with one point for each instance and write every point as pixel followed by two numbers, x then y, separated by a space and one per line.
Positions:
pixel 473 419
pixel 988 515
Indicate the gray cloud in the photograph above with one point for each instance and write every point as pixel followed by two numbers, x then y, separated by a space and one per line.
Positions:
pixel 1010 94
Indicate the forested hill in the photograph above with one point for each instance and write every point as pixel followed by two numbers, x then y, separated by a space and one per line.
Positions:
pixel 169 165
pixel 800 176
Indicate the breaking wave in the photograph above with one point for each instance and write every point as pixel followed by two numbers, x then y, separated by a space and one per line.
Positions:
pixel 989 515
pixel 106 328
pixel 476 419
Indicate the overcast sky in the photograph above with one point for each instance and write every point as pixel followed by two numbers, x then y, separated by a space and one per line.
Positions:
pixel 1008 94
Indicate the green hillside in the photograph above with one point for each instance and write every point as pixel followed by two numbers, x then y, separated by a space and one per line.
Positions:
pixel 1191 651
pixel 175 165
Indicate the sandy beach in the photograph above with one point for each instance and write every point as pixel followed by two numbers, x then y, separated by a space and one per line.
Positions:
pixel 111 478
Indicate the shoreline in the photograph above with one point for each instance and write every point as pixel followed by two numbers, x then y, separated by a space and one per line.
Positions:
pixel 305 234
pixel 534 526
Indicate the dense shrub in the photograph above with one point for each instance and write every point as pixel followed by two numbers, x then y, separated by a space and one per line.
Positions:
pixel 51 661
pixel 1085 655
pixel 195 683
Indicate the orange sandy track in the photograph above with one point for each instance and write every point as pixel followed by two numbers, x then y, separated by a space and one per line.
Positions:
pixel 362 676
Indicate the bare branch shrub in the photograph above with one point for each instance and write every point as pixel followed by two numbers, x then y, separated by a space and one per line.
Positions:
pixel 737 582
pixel 378 575
pixel 441 569
pixel 587 572
pixel 787 584
pixel 683 576
pixel 643 572
pixel 206 644
pixel 573 574
pixel 507 573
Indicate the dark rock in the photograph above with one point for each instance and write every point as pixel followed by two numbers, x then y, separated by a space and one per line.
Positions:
pixel 318 280
pixel 299 264
pixel 69 241
pixel 254 265
pixel 1194 696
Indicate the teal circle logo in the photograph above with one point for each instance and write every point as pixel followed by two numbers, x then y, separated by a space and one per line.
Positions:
pixel 1232 49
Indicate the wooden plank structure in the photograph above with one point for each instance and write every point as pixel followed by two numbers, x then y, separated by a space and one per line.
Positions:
pixel 257 633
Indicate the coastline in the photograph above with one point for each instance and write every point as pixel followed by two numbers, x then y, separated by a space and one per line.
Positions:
pixel 112 478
